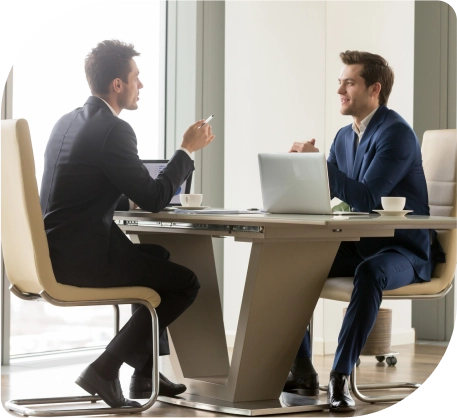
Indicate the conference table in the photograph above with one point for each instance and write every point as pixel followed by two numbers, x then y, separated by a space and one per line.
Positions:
pixel 290 259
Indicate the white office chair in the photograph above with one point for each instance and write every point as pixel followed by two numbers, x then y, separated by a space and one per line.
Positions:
pixel 29 270
pixel 439 153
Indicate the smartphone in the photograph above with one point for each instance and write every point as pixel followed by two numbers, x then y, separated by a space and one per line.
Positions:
pixel 206 121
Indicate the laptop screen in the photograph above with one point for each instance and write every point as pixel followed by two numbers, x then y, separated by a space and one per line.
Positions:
pixel 295 183
pixel 156 166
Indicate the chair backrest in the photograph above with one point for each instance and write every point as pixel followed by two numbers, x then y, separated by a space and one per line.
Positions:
pixel 439 153
pixel 24 243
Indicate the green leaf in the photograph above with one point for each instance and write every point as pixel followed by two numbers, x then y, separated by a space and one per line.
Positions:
pixel 341 207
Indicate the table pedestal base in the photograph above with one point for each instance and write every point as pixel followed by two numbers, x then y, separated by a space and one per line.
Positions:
pixel 288 403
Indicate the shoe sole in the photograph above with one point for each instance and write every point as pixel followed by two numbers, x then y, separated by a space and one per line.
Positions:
pixel 343 409
pixel 303 392
pixel 308 392
pixel 147 395
pixel 139 395
pixel 86 386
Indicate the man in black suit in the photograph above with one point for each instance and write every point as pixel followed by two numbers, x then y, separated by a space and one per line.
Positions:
pixel 91 169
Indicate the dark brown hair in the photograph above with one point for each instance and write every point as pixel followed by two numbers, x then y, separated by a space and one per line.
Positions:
pixel 107 61
pixel 375 69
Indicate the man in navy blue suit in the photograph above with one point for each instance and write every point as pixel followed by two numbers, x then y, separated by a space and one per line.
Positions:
pixel 377 155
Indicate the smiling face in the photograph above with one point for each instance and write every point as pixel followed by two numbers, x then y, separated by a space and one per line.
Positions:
pixel 357 100
pixel 129 92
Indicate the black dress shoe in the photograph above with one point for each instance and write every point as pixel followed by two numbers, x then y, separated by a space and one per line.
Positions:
pixel 302 379
pixel 141 387
pixel 338 393
pixel 109 390
pixel 307 385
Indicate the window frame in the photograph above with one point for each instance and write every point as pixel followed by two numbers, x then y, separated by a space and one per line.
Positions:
pixel 6 113
pixel 194 39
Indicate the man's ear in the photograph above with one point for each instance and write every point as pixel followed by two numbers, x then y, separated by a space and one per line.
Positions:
pixel 117 85
pixel 376 88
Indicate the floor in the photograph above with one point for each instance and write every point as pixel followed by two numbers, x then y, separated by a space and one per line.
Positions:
pixel 45 378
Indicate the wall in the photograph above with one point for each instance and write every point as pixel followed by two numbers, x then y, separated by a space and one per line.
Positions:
pixel 274 62
pixel 281 69
pixel 394 40
pixel 7 105
pixel 6 112
pixel 434 108
pixel 195 89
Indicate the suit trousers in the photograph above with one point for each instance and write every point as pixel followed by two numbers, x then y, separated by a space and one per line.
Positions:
pixel 177 286
pixel 383 271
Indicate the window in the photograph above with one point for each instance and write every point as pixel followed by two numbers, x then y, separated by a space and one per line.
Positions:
pixel 48 82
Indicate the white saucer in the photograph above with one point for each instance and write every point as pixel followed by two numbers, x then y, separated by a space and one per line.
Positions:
pixel 392 212
pixel 190 207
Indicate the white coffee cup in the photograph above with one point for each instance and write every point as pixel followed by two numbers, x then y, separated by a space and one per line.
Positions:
pixel 191 199
pixel 393 203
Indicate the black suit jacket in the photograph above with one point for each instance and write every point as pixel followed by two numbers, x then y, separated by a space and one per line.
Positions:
pixel 91 161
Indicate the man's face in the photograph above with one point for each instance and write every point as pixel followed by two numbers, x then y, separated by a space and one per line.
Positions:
pixel 129 95
pixel 355 96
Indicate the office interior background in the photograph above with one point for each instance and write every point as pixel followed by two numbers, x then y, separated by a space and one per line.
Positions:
pixel 268 70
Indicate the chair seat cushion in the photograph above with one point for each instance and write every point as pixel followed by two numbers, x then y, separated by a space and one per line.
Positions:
pixel 340 288
pixel 69 293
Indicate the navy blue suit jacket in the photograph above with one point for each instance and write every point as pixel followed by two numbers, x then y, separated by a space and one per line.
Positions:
pixel 388 162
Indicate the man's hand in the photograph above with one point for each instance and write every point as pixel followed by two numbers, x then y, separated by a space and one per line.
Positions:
pixel 304 146
pixel 196 138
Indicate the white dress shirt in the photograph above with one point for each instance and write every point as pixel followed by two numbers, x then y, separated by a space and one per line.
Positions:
pixel 363 125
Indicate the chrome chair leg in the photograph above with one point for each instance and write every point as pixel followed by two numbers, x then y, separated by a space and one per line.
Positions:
pixel 356 389
pixel 372 386
pixel 116 319
pixel 20 406
pixel 375 399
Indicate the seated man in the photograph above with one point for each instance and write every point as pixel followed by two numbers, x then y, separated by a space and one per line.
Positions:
pixel 377 155
pixel 92 164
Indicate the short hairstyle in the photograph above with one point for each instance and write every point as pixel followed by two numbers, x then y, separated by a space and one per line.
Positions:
pixel 107 61
pixel 375 69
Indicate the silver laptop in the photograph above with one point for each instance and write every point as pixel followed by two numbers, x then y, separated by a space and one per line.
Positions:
pixel 295 183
